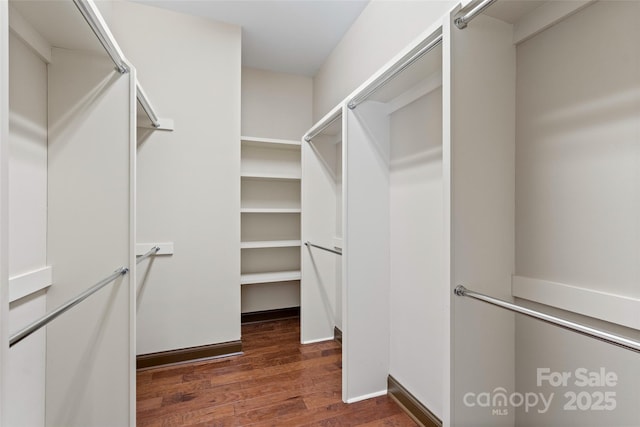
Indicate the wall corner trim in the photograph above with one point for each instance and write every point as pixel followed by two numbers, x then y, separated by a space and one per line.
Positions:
pixel 412 406
pixel 337 335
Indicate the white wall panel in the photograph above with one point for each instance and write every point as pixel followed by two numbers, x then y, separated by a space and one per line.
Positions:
pixel 417 286
pixel 89 236
pixel 4 202
pixel 27 365
pixel 28 224
pixel 28 160
pixel 366 246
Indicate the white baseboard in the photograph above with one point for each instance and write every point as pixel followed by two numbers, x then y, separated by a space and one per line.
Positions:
pixel 317 340
pixel 367 396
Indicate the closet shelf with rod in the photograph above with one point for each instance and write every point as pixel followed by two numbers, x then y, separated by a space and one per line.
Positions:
pixel 153 251
pixel 333 116
pixel 598 334
pixel 44 320
pixel 91 14
pixel 324 248
pixel 385 77
pixel 462 21
pixel 156 122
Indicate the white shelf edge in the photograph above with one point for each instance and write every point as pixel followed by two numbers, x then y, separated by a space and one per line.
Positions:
pixel 270 210
pixel 619 309
pixel 278 276
pixel 29 283
pixel 268 176
pixel 270 244
pixel 270 140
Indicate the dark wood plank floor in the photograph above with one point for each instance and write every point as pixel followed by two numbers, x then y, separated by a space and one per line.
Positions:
pixel 276 382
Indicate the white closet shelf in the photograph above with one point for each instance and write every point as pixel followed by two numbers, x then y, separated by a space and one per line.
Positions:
pixel 270 244
pixel 277 276
pixel 270 176
pixel 270 210
pixel 261 142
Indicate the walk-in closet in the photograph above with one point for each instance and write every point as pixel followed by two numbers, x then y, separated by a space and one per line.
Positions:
pixel 356 212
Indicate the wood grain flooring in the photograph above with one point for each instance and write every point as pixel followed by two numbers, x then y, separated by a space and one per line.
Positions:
pixel 276 382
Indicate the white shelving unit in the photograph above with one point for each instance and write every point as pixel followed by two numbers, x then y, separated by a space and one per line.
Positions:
pixel 270 210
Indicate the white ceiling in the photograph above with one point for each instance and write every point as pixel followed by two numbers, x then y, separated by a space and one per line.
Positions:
pixel 291 36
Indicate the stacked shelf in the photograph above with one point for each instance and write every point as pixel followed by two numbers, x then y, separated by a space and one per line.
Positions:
pixel 270 211
pixel 270 244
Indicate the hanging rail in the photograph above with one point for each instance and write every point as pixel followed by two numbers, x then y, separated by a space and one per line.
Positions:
pixel 405 62
pixel 33 327
pixel 323 124
pixel 154 250
pixel 462 21
pixel 93 17
pixel 146 106
pixel 607 337
pixel 337 252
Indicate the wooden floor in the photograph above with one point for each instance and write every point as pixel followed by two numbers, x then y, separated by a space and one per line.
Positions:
pixel 276 382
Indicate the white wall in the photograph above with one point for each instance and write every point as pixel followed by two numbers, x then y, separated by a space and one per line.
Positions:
pixel 190 68
pixel 578 196
pixel 418 288
pixel 28 225
pixel 275 105
pixel 383 28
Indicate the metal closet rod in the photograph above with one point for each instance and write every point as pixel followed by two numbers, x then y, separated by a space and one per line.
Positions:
pixel 405 62
pixel 608 337
pixel 334 251
pixel 462 21
pixel 146 105
pixel 92 15
pixel 154 250
pixel 33 327
pixel 319 127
